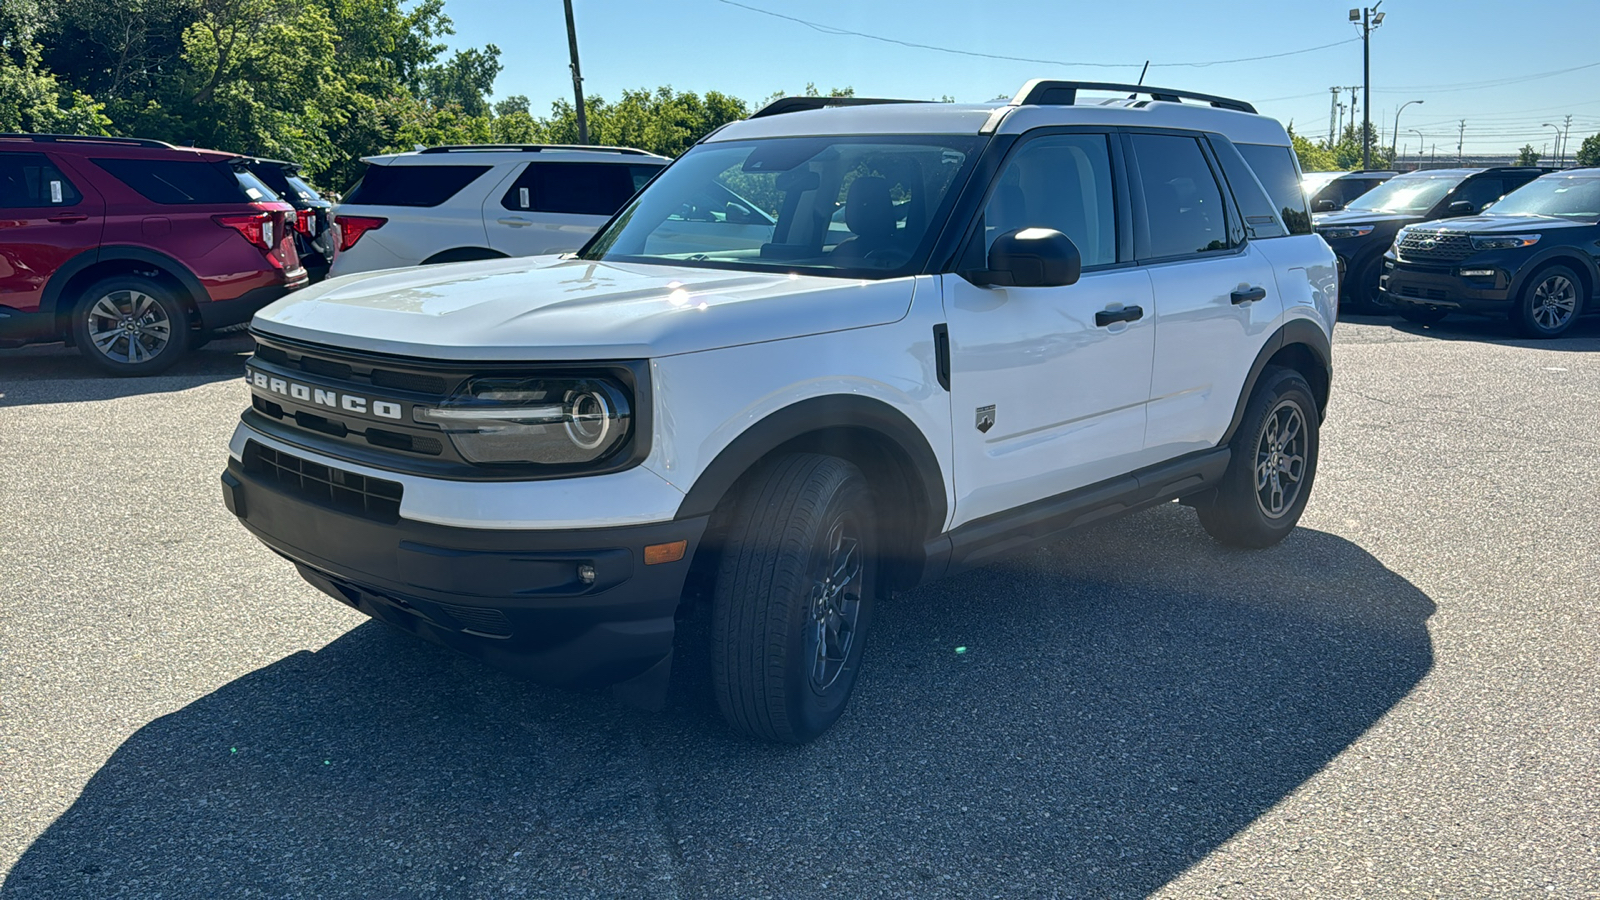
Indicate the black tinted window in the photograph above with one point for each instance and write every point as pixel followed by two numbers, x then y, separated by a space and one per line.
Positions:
pixel 299 188
pixel 29 180
pixel 1183 205
pixel 582 189
pixel 398 185
pixel 1260 218
pixel 1063 182
pixel 1279 174
pixel 181 181
pixel 1480 192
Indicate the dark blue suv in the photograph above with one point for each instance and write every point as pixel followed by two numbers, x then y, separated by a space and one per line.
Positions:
pixel 1534 257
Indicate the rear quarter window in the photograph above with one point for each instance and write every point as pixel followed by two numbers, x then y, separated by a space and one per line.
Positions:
pixel 397 185
pixel 30 180
pixel 173 181
pixel 1280 175
pixel 573 188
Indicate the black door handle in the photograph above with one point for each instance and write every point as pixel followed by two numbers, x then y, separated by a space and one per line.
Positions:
pixel 1111 316
pixel 1250 295
pixel 68 218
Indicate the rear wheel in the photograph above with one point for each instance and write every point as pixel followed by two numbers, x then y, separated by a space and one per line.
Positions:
pixel 1274 461
pixel 1364 290
pixel 792 599
pixel 130 325
pixel 1550 302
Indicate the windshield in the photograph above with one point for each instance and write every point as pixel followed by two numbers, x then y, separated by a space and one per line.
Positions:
pixel 1406 194
pixel 1574 198
pixel 1316 181
pixel 865 207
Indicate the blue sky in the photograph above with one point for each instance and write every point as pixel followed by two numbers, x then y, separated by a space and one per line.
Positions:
pixel 1466 59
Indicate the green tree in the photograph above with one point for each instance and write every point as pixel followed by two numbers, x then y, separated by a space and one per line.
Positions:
pixel 1527 156
pixel 1589 151
pixel 31 96
pixel 1314 157
pixel 1347 152
pixel 662 121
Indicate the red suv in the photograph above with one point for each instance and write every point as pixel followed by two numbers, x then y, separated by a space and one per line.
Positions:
pixel 134 250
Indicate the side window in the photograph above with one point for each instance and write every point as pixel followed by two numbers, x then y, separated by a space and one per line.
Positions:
pixel 1060 181
pixel 29 180
pixel 580 189
pixel 1480 192
pixel 1280 175
pixel 1183 205
pixel 408 185
pixel 1260 218
pixel 173 181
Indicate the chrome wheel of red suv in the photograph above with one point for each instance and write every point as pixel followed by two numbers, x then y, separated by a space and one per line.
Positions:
pixel 129 325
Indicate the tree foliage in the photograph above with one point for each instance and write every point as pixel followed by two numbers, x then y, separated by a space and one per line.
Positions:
pixel 1527 156
pixel 320 82
pixel 1343 155
pixel 1589 151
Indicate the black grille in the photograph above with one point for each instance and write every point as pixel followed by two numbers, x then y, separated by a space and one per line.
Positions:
pixel 1433 246
pixel 328 368
pixel 1411 290
pixel 372 498
pixel 479 621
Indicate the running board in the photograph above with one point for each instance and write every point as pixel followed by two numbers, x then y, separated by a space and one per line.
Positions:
pixel 983 541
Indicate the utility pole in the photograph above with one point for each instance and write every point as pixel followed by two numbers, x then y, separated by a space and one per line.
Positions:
pixel 1366 18
pixel 1460 137
pixel 1564 135
pixel 1333 115
pixel 577 75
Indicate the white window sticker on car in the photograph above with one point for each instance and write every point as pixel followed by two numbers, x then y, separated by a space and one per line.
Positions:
pixel 522 197
pixel 55 192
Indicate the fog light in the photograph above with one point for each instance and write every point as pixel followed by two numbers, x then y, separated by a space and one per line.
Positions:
pixel 1477 273
pixel 586 573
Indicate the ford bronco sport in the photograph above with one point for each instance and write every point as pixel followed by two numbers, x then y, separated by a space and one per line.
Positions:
pixel 834 351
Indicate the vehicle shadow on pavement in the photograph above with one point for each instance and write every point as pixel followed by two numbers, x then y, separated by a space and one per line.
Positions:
pixel 1124 703
pixel 55 373
pixel 1583 336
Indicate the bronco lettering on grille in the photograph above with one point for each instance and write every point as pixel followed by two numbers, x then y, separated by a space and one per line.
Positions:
pixel 316 396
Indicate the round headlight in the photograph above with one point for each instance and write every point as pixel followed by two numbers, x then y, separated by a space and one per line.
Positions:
pixel 588 418
pixel 534 421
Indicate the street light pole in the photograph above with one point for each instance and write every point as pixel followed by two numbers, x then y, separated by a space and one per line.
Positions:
pixel 1421 140
pixel 577 75
pixel 1559 148
pixel 1367 18
pixel 1397 124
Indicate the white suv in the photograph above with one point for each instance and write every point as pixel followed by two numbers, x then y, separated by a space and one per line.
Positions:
pixel 483 201
pixel 1030 316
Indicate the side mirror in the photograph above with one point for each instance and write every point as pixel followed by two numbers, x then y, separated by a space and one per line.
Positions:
pixel 1031 257
pixel 1462 208
pixel 1324 206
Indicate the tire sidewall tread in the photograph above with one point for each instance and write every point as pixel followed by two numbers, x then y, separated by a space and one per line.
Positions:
pixel 177 345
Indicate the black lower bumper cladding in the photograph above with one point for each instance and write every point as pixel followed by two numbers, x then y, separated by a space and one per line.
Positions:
pixel 575 608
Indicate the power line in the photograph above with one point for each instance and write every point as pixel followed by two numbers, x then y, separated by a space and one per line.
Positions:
pixel 1480 85
pixel 834 30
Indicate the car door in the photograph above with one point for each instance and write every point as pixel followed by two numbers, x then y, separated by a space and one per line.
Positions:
pixel 46 219
pixel 1216 298
pixel 1048 385
pixel 553 207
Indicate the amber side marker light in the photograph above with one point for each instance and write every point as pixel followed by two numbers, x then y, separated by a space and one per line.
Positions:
pixel 655 554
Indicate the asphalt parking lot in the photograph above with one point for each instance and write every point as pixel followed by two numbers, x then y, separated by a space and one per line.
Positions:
pixel 1402 698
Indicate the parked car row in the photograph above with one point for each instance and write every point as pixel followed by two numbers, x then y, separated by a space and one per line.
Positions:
pixel 1537 225
pixel 136 251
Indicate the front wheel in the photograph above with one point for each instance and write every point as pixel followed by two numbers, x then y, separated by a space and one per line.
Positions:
pixel 1549 303
pixel 129 325
pixel 792 599
pixel 1274 460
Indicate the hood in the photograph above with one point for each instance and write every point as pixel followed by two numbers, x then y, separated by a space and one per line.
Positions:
pixel 547 307
pixel 1490 223
pixel 1362 217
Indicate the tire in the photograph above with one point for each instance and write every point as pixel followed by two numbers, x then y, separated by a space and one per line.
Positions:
pixel 1549 303
pixel 1365 294
pixel 1261 498
pixel 129 325
pixel 1423 315
pixel 786 630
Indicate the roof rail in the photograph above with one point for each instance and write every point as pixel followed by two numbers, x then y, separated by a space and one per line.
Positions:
pixel 1048 92
pixel 531 148
pixel 88 139
pixel 800 104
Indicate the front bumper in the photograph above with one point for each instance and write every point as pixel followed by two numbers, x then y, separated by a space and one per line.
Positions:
pixel 1444 289
pixel 512 598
